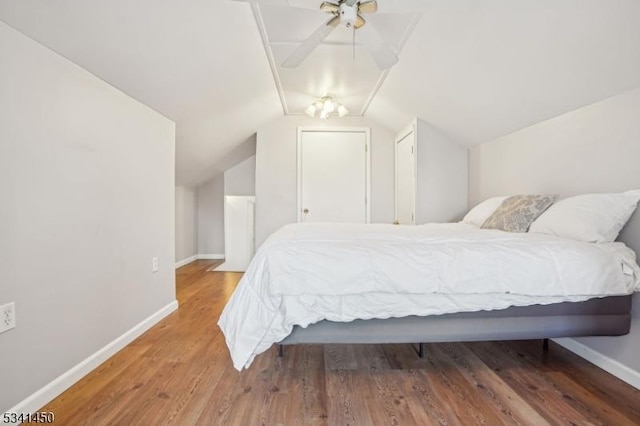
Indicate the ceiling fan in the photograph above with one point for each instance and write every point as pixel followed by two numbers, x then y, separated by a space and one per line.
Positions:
pixel 347 13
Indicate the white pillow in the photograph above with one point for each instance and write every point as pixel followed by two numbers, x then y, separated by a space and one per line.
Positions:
pixel 596 218
pixel 482 211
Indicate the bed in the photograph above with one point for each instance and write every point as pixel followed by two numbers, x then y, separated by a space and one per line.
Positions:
pixel 339 283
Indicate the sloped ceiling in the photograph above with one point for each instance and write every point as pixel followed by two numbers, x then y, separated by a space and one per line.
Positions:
pixel 198 62
pixel 477 72
pixel 507 64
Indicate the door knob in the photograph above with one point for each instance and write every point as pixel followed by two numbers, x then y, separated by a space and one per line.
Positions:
pixel 305 211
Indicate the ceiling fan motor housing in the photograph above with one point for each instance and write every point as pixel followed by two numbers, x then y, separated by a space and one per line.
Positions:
pixel 348 14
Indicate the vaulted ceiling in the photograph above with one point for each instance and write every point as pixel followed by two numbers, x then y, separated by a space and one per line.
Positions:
pixel 475 69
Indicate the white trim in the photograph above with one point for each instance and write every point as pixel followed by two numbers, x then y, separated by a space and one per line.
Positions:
pixel 367 133
pixel 211 256
pixel 199 257
pixel 367 151
pixel 299 175
pixel 609 365
pixel 50 391
pixel 186 261
pixel 405 132
pixel 257 15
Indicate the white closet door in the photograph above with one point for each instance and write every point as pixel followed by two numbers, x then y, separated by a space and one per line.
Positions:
pixel 333 176
pixel 405 179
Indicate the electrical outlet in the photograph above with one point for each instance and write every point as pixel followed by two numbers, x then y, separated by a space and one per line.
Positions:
pixel 154 264
pixel 7 317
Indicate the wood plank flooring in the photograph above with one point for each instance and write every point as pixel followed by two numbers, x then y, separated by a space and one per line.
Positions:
pixel 179 372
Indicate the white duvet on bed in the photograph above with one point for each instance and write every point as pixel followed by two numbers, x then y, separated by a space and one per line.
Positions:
pixel 305 273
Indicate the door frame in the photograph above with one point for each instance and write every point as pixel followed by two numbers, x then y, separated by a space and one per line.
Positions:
pixel 412 128
pixel 367 133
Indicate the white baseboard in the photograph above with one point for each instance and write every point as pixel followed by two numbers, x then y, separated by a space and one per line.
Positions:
pixel 186 261
pixel 211 256
pixel 199 256
pixel 609 365
pixel 46 394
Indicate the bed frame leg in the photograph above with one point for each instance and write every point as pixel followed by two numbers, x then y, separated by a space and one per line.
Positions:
pixel 545 344
pixel 280 351
pixel 421 350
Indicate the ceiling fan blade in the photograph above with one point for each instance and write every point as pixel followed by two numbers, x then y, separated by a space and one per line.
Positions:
pixel 307 46
pixel 329 7
pixel 360 21
pixel 303 4
pixel 381 51
pixel 368 7
pixel 267 2
pixel 409 6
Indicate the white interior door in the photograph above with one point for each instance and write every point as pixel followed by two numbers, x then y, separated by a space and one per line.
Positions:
pixel 239 232
pixel 333 176
pixel 405 178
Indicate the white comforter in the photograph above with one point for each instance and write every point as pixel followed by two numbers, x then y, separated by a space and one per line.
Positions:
pixel 305 273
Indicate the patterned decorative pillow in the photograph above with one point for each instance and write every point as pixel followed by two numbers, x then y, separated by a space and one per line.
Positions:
pixel 517 213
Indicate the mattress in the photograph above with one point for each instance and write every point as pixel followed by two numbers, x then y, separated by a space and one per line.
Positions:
pixel 307 273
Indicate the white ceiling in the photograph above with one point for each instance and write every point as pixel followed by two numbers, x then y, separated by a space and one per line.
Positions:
pixel 331 69
pixel 508 64
pixel 475 72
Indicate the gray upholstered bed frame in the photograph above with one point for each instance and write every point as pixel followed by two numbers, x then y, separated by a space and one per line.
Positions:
pixel 609 316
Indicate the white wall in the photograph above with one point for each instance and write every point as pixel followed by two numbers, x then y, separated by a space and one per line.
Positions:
pixel 593 149
pixel 211 216
pixel 276 173
pixel 241 178
pixel 186 223
pixel 442 176
pixel 87 190
pixel 237 180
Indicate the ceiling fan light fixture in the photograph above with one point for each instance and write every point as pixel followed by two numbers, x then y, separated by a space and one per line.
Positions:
pixel 329 7
pixel 326 106
pixel 311 110
pixel 368 6
pixel 329 106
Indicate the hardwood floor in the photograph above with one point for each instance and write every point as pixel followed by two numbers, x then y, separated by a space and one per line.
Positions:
pixel 180 373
